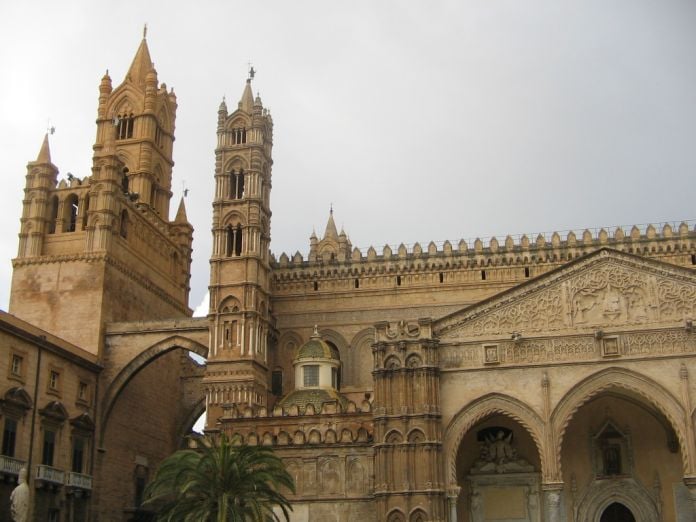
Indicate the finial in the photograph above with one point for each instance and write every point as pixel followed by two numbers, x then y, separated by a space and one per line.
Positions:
pixel 145 31
pixel 331 209
pixel 252 72
pixel 316 330
pixel 50 129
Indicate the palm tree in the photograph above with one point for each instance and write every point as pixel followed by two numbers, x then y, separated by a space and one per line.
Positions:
pixel 221 481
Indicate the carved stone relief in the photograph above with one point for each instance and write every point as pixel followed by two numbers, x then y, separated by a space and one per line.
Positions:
pixel 605 292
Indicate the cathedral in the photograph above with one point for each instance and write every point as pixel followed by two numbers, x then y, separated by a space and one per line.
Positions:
pixel 537 379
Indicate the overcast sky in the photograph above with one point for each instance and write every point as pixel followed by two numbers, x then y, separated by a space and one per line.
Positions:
pixel 418 120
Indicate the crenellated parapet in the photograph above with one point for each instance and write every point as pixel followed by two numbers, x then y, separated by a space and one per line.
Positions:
pixel 477 261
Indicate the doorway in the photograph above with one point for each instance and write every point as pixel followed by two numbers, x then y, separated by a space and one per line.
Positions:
pixel 617 513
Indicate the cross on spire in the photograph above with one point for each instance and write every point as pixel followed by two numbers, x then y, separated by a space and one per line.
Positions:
pixel 252 72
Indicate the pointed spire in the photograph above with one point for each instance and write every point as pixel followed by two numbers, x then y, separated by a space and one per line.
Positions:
pixel 45 152
pixel 141 65
pixel 181 213
pixel 247 102
pixel 331 232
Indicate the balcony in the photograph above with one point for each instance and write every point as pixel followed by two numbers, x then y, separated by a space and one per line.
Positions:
pixel 79 481
pixel 49 477
pixel 10 466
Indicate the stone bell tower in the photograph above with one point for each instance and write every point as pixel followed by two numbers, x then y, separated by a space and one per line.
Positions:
pixel 241 326
pixel 101 248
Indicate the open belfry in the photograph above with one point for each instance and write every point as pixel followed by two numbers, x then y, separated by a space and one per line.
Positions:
pixel 545 378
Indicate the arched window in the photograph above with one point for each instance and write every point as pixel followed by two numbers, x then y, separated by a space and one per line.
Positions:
pixel 239 136
pixel 233 242
pixel 124 126
pixel 53 215
pixel 70 210
pixel 124 224
pixel 237 184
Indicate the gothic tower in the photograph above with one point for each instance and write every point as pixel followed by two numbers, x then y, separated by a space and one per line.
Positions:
pixel 101 248
pixel 241 326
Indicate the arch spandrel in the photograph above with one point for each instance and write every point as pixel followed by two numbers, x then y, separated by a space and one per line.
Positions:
pixel 480 409
pixel 619 380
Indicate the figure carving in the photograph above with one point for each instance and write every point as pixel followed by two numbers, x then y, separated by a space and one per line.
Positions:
pixel 19 499
pixel 498 456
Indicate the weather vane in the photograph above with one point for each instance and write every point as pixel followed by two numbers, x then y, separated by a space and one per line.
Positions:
pixel 183 187
pixel 252 72
pixel 50 129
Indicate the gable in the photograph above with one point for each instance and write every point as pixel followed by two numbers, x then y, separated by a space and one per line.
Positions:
pixel 602 290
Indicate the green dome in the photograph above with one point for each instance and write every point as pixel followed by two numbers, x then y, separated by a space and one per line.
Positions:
pixel 317 348
pixel 314 396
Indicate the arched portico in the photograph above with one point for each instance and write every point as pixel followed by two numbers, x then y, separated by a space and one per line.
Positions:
pixel 620 381
pixel 488 424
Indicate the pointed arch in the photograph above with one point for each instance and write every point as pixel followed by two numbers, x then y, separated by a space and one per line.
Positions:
pixel 621 381
pixel 139 362
pixel 476 411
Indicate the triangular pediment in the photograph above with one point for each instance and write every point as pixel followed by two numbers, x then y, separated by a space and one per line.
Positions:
pixel 605 289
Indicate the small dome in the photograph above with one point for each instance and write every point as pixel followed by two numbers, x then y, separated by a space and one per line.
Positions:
pixel 316 397
pixel 317 348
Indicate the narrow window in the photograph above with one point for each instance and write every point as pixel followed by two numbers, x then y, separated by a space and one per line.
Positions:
pixel 442 277
pixel 229 241
pixel 233 339
pixel 316 286
pixel 124 224
pixel 53 380
pixel 311 375
pixel 238 241
pixel 239 185
pixel 228 335
pixel 483 275
pixel 49 446
pixel 243 135
pixel 72 218
pixel 124 181
pixel 277 383
pixel 357 283
pixel 334 378
pixel 398 280
pixel 85 206
pixel 17 361
pixel 158 136
pixel 9 437
pixel 53 215
pixel 526 271
pixel 83 392
pixel 78 454
pixel 693 259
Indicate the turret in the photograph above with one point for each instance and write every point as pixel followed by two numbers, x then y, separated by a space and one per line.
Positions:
pixel 38 207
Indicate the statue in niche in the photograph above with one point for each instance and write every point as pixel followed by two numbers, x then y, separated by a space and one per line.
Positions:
pixel 497 454
pixel 19 499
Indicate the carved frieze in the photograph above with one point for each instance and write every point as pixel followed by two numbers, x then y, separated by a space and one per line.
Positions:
pixel 606 290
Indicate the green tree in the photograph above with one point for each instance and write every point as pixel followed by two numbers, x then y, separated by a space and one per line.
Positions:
pixel 221 481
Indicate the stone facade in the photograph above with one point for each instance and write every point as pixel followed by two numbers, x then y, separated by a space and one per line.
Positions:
pixel 546 378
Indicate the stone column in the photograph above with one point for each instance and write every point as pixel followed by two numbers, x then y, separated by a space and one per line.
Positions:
pixel 553 496
pixel 690 483
pixel 452 497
